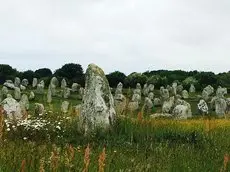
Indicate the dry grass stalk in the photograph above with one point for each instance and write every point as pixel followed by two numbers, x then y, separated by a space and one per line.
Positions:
pixel 42 165
pixel 86 159
pixel 23 166
pixel 226 161
pixel 139 116
pixel 101 161
pixel 54 159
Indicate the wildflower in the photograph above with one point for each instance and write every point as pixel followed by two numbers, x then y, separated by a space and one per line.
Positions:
pixel 24 138
pixel 8 129
pixel 58 127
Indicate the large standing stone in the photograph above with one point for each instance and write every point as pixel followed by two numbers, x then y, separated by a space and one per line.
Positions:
pixel 63 83
pixel 23 88
pixel 179 89
pixel 119 99
pixel 17 93
pixel 35 82
pixel 202 107
pixel 9 84
pixel 157 102
pixel 25 82
pixel 17 82
pixel 98 104
pixel 221 92
pixel 39 109
pixel 148 103
pixel 75 87
pixel 65 107
pixel 54 81
pixel 151 87
pixel 119 88
pixel 151 96
pixel 12 108
pixel 137 94
pixel 145 90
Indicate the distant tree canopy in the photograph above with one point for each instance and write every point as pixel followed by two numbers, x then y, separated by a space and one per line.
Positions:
pixel 43 72
pixel 74 73
pixel 115 77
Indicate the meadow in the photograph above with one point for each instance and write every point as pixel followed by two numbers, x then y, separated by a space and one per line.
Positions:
pixel 52 142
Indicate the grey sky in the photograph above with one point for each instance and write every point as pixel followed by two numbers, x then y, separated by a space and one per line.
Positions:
pixel 124 35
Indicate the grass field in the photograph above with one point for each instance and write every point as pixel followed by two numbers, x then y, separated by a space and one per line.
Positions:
pixel 136 143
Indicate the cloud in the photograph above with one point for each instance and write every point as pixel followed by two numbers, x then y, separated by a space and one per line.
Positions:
pixel 124 35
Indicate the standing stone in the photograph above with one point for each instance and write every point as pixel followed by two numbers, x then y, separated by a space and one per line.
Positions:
pixel 49 95
pixel 151 96
pixel 31 96
pixel 12 108
pixel 207 91
pixel 119 99
pixel 148 103
pixel 4 90
pixel 75 87
pixel 35 82
pixel 192 89
pixel 81 92
pixel 66 93
pixel 54 81
pixel 221 92
pixel 63 83
pixel 168 105
pixel 180 89
pixel 138 86
pixel 220 107
pixel 202 107
pixel 65 107
pixel 40 87
pixel 157 102
pixel 39 109
pixel 145 90
pixel 25 82
pixel 119 88
pixel 17 93
pixel 137 94
pixel 24 102
pixel 174 88
pixel 228 105
pixel 17 82
pixel 164 94
pixel 23 88
pixel 182 112
pixel 151 88
pixel 185 94
pixel 98 104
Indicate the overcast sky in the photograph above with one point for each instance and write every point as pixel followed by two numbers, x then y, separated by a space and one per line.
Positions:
pixel 124 35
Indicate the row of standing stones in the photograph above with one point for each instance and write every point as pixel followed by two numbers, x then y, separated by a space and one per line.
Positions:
pixel 99 106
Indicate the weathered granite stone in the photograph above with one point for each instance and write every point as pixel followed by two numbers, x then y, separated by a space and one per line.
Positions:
pixel 75 87
pixel 40 87
pixel 168 105
pixel 35 82
pixel 63 83
pixel 192 89
pixel 202 107
pixel 185 94
pixel 148 103
pixel 182 112
pixel 17 93
pixel 157 102
pixel 180 89
pixel 5 90
pixel 39 109
pixel 24 102
pixel 23 88
pixel 98 104
pixel 25 82
pixel 49 95
pixel 31 96
pixel 65 107
pixel 207 91
pixel 17 82
pixel 66 93
pixel 151 96
pixel 174 88
pixel 12 109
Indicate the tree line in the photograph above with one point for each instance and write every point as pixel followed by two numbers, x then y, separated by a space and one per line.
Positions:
pixel 74 73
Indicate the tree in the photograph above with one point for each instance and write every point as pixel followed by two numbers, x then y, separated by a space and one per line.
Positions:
pixel 206 78
pixel 73 72
pixel 43 72
pixel 115 77
pixel 7 72
pixel 29 74
pixel 134 78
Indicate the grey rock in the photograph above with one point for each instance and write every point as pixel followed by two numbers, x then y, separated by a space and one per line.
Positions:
pixel 17 93
pixel 65 107
pixel 12 109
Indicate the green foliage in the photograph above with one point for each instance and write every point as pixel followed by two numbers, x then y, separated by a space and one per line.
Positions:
pixel 134 78
pixel 72 72
pixel 115 77
pixel 43 72
pixel 7 72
